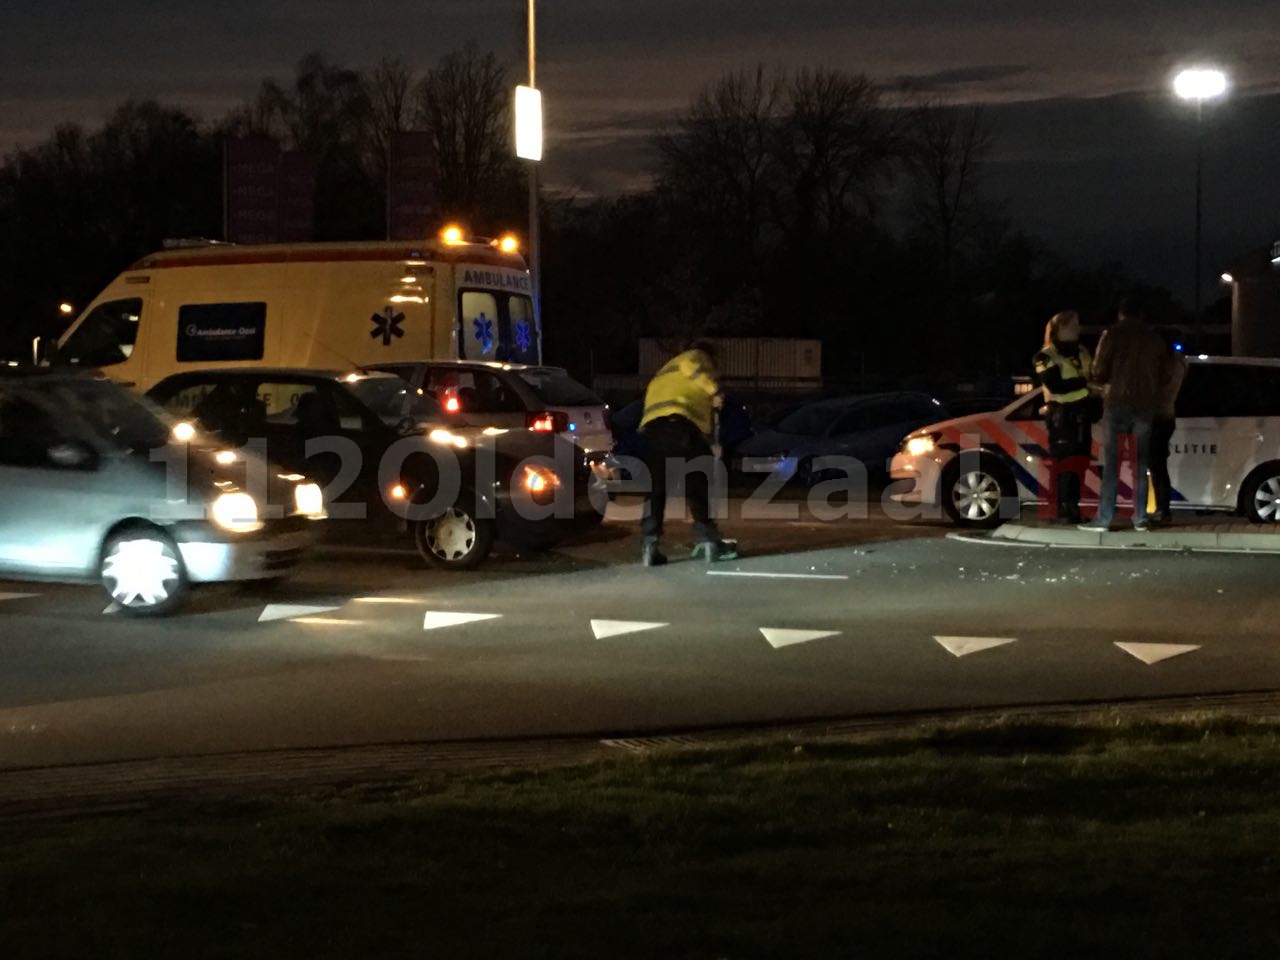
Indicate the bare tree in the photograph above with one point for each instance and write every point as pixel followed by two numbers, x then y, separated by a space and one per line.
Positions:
pixel 389 92
pixel 838 147
pixel 465 104
pixel 947 149
pixel 721 158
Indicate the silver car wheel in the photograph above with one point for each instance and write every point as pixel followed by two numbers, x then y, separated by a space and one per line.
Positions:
pixel 452 536
pixel 976 495
pixel 142 573
pixel 1266 500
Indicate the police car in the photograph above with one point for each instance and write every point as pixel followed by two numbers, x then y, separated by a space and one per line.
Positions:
pixel 1225 453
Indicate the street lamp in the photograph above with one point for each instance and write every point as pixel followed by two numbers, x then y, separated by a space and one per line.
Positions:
pixel 1199 84
pixel 528 111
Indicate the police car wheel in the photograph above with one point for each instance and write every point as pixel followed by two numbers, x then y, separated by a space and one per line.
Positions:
pixel 972 495
pixel 455 540
pixel 1261 496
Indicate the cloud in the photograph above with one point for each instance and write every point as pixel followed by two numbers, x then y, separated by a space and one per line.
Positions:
pixel 961 79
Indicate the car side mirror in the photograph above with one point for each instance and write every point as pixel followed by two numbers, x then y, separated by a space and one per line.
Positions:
pixel 73 455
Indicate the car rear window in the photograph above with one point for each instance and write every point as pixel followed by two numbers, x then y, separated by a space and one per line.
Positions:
pixel 556 388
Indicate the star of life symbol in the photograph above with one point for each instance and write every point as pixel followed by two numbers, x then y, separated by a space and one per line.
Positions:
pixel 484 332
pixel 524 335
pixel 386 325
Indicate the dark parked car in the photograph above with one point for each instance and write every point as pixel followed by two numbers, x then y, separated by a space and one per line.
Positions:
pixel 327 425
pixel 868 427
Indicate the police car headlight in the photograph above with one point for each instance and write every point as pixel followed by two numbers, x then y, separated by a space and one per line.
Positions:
pixel 308 500
pixel 920 446
pixel 236 512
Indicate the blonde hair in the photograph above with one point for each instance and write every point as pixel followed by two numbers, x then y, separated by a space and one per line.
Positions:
pixel 1058 323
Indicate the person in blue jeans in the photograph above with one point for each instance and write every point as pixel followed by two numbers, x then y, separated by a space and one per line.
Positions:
pixel 1133 367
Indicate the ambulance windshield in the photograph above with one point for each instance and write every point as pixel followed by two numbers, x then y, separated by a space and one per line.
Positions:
pixel 105 337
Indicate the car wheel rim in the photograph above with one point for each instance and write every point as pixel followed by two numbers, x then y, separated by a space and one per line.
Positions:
pixel 141 573
pixel 1266 501
pixel 452 536
pixel 976 495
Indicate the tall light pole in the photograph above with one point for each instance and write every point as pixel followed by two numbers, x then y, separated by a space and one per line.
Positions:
pixel 529 147
pixel 1197 85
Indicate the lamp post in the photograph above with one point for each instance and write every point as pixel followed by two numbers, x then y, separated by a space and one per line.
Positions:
pixel 528 110
pixel 1197 85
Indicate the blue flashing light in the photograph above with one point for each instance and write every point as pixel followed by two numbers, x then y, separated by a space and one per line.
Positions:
pixel 573 428
pixel 1178 347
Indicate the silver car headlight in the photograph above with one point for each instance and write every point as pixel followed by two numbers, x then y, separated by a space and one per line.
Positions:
pixel 308 500
pixel 236 512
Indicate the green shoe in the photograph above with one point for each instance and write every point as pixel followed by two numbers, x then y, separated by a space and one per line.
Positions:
pixel 714 551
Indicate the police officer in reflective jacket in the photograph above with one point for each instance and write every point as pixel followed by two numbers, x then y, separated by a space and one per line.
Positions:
pixel 1062 371
pixel 679 417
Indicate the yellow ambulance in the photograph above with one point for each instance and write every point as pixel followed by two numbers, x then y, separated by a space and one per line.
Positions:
pixel 314 305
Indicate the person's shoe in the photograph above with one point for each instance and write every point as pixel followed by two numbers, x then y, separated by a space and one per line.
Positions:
pixel 1141 526
pixel 1094 526
pixel 714 551
pixel 651 556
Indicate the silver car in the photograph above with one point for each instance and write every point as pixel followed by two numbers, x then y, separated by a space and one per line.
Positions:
pixel 96 483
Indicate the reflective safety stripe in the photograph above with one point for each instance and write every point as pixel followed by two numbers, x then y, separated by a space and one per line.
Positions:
pixel 665 408
pixel 1071 368
pixel 1074 396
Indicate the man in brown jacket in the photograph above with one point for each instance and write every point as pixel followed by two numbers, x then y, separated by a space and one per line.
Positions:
pixel 1133 366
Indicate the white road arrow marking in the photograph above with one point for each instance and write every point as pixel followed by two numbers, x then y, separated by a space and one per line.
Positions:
pixel 618 628
pixel 112 607
pixel 435 619
pixel 780 637
pixel 1150 653
pixel 287 611
pixel 963 646
pixel 17 596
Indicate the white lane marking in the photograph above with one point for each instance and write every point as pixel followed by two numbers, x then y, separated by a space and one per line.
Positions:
pixel 963 646
pixel 618 628
pixel 435 619
pixel 399 600
pixel 17 596
pixel 1150 653
pixel 288 611
pixel 781 637
pixel 777 576
pixel 329 621
pixel 112 607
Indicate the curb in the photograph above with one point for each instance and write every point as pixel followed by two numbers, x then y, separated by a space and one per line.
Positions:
pixel 1172 541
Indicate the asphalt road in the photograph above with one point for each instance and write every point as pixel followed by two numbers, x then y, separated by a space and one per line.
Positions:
pixel 823 620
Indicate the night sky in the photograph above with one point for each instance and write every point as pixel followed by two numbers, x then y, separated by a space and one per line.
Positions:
pixel 1093 153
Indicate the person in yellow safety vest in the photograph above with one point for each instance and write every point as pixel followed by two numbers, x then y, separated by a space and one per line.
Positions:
pixel 1062 370
pixel 678 421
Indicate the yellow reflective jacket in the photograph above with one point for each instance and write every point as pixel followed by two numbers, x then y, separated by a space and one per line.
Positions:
pixel 685 387
pixel 1064 379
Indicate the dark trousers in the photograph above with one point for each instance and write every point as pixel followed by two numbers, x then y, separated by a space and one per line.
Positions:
pixel 670 443
pixel 1161 434
pixel 1070 439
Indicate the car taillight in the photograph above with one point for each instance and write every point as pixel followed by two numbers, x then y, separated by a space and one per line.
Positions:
pixel 548 422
